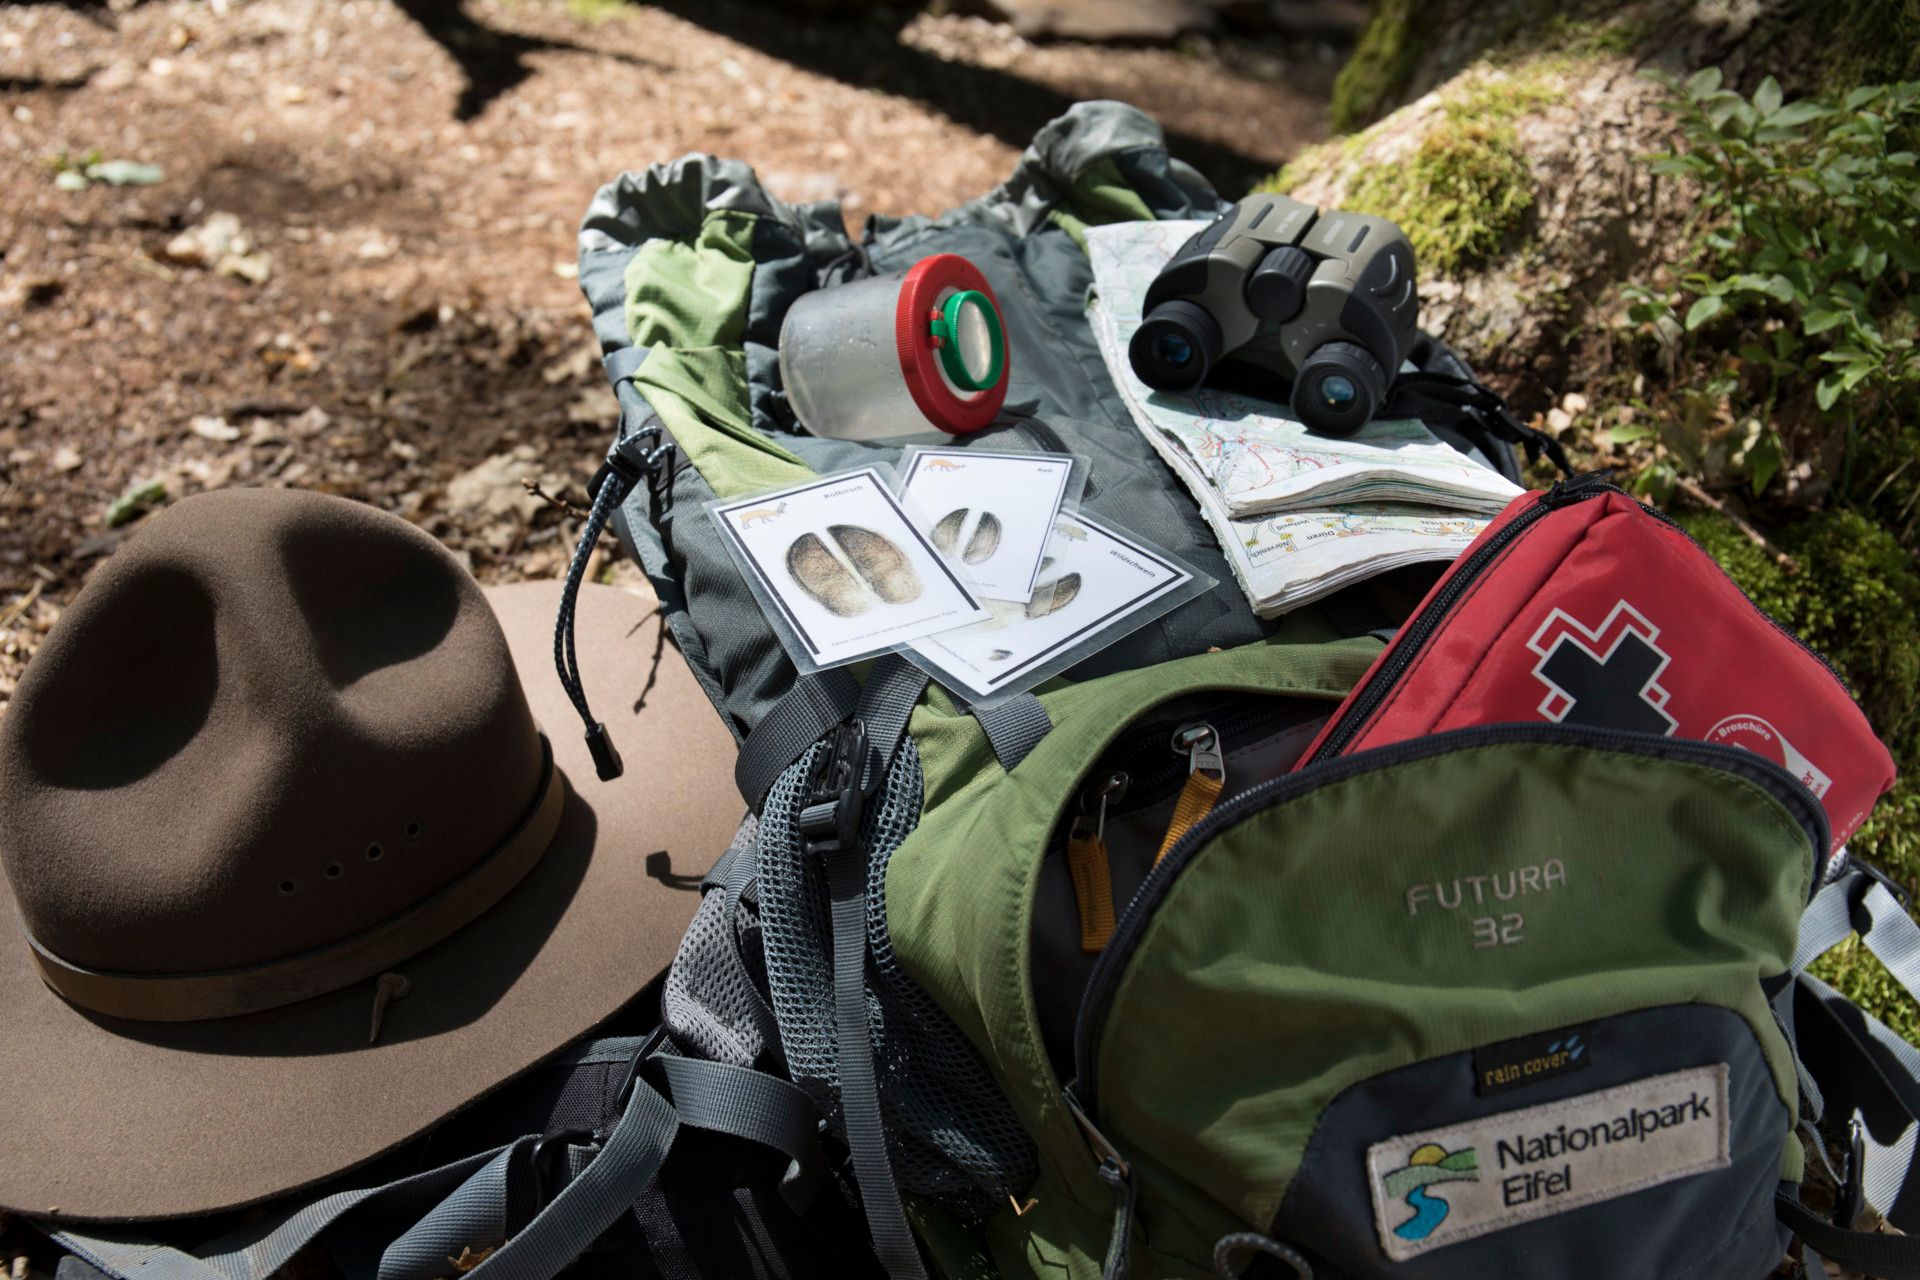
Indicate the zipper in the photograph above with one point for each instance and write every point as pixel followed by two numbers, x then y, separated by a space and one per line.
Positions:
pixel 1151 769
pixel 1199 742
pixel 1365 701
pixel 1088 863
pixel 1097 1000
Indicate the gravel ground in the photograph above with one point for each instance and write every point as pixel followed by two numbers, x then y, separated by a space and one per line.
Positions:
pixel 396 319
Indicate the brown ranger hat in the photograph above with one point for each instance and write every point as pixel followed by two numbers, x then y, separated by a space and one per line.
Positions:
pixel 278 750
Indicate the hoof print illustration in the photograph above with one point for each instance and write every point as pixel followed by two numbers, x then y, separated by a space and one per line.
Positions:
pixel 879 561
pixel 1052 597
pixel 980 547
pixel 822 576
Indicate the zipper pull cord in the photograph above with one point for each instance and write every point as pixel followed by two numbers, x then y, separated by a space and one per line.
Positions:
pixel 626 463
pixel 1206 777
pixel 1088 865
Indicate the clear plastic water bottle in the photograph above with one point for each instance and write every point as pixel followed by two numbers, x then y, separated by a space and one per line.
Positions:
pixel 897 354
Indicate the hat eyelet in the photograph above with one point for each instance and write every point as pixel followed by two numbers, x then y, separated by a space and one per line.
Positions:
pixel 413 829
pixel 333 870
pixel 374 852
pixel 289 887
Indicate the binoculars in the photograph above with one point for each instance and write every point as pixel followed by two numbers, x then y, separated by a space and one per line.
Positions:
pixel 1321 299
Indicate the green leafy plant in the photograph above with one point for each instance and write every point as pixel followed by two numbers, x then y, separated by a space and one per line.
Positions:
pixel 1798 276
pixel 77 173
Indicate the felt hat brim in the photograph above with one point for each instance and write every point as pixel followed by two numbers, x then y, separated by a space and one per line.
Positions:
pixel 102 1119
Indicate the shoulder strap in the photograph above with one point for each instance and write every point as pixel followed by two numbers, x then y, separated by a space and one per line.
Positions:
pixel 846 774
pixel 466 1206
pixel 1014 727
pixel 1862 1074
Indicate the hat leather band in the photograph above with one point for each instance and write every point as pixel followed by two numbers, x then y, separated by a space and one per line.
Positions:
pixel 193 997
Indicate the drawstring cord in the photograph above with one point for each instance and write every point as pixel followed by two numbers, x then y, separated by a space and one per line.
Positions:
pixel 626 463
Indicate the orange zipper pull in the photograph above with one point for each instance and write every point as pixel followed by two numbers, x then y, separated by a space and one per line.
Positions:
pixel 1206 775
pixel 1087 862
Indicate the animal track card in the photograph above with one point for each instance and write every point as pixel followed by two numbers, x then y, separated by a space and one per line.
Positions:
pixel 1095 586
pixel 990 514
pixel 841 569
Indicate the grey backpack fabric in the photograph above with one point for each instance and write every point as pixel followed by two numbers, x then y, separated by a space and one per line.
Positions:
pixel 1060 397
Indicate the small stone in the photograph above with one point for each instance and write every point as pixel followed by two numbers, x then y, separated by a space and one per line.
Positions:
pixel 210 428
pixel 1558 420
pixel 207 243
pixel 1574 403
pixel 66 458
pixel 262 431
pixel 310 421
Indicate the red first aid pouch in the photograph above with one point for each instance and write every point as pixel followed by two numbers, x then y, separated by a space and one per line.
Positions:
pixel 1582 606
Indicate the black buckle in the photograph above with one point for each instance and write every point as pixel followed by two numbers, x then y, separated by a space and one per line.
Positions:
pixel 630 458
pixel 834 802
pixel 1850 1197
pixel 546 1179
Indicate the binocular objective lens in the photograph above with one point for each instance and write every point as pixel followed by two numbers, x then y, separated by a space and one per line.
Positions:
pixel 1338 391
pixel 1173 350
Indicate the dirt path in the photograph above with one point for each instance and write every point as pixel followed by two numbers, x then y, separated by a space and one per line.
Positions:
pixel 413 173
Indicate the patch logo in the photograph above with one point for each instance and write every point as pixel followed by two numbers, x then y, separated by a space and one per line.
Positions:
pixel 1760 737
pixel 1430 1163
pixel 1525 1060
pixel 1503 1168
pixel 1608 676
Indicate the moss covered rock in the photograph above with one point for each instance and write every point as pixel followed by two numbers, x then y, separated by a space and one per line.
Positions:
pixel 1521 190
pixel 1856 599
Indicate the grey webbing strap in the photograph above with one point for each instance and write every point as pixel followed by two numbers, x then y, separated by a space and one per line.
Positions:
pixel 1886 1167
pixel 1014 726
pixel 745 1103
pixel 810 710
pixel 892 691
pixel 258 1249
pixel 470 1221
pixel 1859 901
pixel 886 702
pixel 853 1055
pixel 603 1190
pixel 1854 899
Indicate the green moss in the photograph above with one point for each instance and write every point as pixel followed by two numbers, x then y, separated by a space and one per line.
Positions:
pixel 1382 65
pixel 596 10
pixel 1866 42
pixel 1316 160
pixel 1461 197
pixel 1856 599
pixel 1464 194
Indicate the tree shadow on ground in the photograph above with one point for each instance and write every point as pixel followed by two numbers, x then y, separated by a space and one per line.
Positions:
pixel 868 53
pixel 492 60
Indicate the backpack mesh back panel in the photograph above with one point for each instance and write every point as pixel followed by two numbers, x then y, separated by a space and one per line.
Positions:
pixel 951 1132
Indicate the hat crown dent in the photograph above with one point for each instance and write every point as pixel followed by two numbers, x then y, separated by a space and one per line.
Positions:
pixel 272 721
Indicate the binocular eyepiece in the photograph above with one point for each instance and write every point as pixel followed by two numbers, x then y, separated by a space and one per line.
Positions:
pixel 1322 299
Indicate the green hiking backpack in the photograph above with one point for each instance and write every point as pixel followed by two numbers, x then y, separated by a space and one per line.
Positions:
pixel 1256 1061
